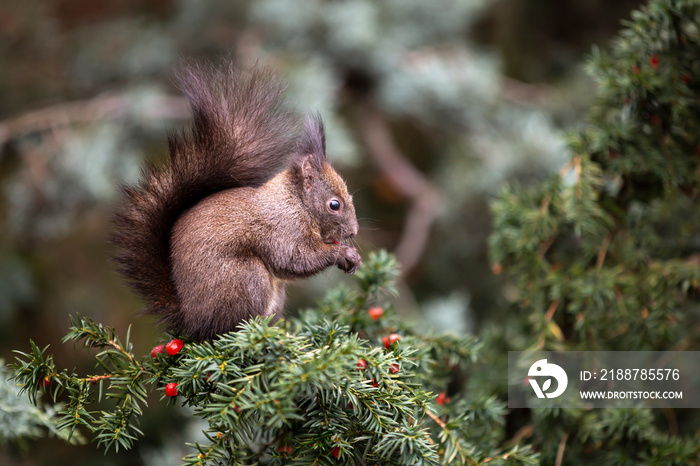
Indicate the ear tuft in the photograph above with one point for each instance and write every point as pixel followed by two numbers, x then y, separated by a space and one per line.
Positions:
pixel 313 141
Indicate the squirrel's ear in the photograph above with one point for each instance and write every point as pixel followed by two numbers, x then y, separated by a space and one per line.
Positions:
pixel 305 170
pixel 313 141
pixel 311 151
pixel 309 171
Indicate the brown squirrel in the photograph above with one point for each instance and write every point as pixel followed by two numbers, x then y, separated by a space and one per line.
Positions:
pixel 246 203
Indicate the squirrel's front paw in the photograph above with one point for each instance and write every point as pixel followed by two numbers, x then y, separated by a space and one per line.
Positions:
pixel 349 259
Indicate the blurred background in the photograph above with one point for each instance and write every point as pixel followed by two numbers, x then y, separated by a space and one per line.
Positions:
pixel 430 108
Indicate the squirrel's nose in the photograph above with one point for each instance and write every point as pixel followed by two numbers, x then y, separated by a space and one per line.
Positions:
pixel 354 229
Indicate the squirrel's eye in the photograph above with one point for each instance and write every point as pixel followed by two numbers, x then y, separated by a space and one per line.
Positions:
pixel 334 205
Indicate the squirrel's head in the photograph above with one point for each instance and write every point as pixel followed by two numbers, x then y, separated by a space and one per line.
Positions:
pixel 323 191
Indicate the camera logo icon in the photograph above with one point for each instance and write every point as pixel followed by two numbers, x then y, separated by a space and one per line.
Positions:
pixel 542 368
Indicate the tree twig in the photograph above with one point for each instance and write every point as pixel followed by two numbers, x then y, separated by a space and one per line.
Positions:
pixel 551 310
pixel 100 108
pixel 437 420
pixel 560 451
pixel 96 378
pixel 603 251
pixel 523 432
pixel 548 318
pixel 410 182
pixel 523 93
pixel 544 247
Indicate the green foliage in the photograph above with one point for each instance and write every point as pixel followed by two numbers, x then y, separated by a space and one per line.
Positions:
pixel 295 391
pixel 597 242
pixel 37 372
pixel 21 420
pixel 604 255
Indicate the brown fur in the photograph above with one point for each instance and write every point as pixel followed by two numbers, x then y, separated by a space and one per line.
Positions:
pixel 211 238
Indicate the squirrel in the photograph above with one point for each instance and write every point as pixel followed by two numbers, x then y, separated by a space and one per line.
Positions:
pixel 246 202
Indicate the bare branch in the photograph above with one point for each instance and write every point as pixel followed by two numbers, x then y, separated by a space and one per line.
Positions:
pixel 522 93
pixel 100 108
pixel 437 420
pixel 560 450
pixel 410 182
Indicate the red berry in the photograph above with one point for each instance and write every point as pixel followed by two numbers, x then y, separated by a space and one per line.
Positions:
pixel 375 312
pixel 654 61
pixel 45 382
pixel 374 384
pixel 394 368
pixel 361 364
pixel 171 389
pixel 635 69
pixel 285 449
pixel 336 452
pixel 391 339
pixel 656 120
pixel 442 399
pixel 687 189
pixel 160 349
pixel 174 346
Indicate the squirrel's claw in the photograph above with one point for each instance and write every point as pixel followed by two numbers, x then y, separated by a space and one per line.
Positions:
pixel 349 260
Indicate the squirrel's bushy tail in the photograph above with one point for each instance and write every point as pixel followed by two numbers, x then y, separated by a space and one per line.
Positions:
pixel 241 135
